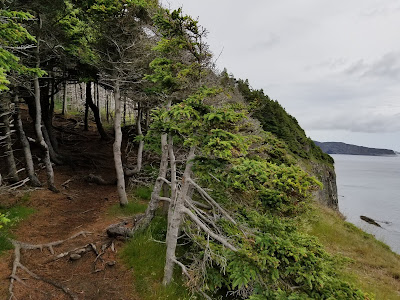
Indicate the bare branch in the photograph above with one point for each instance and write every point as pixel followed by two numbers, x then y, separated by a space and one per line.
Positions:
pixel 220 239
pixel 211 201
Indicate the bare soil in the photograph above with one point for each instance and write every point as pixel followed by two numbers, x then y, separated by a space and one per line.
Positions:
pixel 80 206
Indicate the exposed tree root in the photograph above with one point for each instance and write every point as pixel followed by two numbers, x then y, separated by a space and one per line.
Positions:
pixel 18 246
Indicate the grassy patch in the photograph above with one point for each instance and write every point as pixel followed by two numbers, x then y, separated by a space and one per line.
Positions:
pixel 373 267
pixel 14 214
pixel 138 201
pixel 147 258
pixel 143 192
pixel 132 208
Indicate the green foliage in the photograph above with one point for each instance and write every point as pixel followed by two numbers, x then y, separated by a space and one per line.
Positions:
pixel 284 189
pixel 9 218
pixel 275 119
pixel 279 262
pixel 182 57
pixel 14 35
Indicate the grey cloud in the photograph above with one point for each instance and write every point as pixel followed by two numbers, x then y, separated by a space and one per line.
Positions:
pixel 357 122
pixel 266 42
pixel 386 67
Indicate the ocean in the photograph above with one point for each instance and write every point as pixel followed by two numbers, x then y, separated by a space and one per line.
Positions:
pixel 370 186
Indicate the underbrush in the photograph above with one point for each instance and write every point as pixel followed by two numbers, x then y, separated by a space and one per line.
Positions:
pixel 12 216
pixel 371 266
pixel 145 254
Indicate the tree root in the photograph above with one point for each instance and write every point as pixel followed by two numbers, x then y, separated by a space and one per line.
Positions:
pixel 18 246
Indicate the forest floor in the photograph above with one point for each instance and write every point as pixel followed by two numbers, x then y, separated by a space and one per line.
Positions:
pixel 79 206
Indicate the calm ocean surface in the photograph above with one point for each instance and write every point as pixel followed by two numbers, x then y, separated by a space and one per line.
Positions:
pixel 370 186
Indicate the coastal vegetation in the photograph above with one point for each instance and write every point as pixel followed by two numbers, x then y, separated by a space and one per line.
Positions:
pixel 214 181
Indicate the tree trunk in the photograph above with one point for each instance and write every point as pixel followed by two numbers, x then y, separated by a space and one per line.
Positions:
pixel 38 121
pixel 175 220
pixel 124 111
pixel 86 121
pixel 7 142
pixel 162 173
pixel 97 95
pixel 64 106
pixel 47 118
pixel 117 147
pixel 107 109
pixel 25 146
pixel 141 145
pixel 96 111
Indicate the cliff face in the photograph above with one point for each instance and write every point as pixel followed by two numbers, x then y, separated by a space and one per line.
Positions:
pixel 328 195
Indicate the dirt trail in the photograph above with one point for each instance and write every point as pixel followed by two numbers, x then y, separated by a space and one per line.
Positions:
pixel 80 206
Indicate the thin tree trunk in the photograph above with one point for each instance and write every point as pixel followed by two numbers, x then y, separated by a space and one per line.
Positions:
pixel 76 103
pixel 162 173
pixel 95 110
pixel 117 147
pixel 6 132
pixel 86 121
pixel 38 121
pixel 64 106
pixel 47 118
pixel 174 221
pixel 25 146
pixel 97 95
pixel 124 111
pixel 141 145
pixel 107 109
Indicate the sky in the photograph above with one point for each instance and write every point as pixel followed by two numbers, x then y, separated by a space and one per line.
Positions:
pixel 333 65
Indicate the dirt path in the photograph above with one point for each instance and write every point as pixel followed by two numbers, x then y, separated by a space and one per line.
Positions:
pixel 79 206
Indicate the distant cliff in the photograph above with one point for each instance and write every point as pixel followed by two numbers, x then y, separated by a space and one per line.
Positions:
pixel 342 148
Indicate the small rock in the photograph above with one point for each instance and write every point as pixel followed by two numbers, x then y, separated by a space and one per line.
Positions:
pixel 74 256
pixel 81 251
pixel 111 263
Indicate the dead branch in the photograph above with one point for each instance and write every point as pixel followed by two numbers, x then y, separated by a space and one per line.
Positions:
pixel 211 201
pixel 217 237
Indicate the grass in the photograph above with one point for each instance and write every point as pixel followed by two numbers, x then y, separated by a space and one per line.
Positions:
pixel 138 201
pixel 15 214
pixel 146 257
pixel 373 267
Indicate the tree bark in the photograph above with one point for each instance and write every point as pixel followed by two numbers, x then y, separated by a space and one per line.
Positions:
pixel 6 132
pixel 64 106
pixel 162 173
pixel 25 146
pixel 38 121
pixel 174 221
pixel 117 146
pixel 96 111
pixel 107 109
pixel 86 121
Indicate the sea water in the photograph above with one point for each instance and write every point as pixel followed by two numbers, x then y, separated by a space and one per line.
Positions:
pixel 370 186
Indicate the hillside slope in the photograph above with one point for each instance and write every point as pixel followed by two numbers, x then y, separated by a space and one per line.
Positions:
pixel 343 148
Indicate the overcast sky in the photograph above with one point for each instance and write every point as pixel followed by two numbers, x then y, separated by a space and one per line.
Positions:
pixel 333 65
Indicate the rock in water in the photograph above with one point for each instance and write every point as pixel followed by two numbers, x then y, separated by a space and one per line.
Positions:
pixel 370 221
